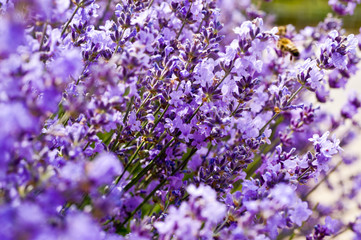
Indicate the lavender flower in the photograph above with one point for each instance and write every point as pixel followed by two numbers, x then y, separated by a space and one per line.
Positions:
pixel 169 119
pixel 343 7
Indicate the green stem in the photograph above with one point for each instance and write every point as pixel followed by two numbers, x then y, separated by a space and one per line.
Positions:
pixel 224 77
pixel 269 121
pixel 306 171
pixel 117 47
pixel 150 4
pixel 160 118
pixel 181 29
pixel 239 103
pixel 128 109
pixel 147 168
pixel 184 22
pixel 109 138
pixel 43 36
pixel 144 101
pixel 143 126
pixel 252 167
pixel 195 112
pixel 184 163
pixel 116 142
pixel 324 179
pixel 82 72
pixel 130 162
pixel 340 232
pixel 158 109
pixel 86 146
pixel 209 150
pixel 120 38
pixel 165 110
pixel 277 113
pixel 292 235
pixel 219 227
pixel 200 26
pixel 68 22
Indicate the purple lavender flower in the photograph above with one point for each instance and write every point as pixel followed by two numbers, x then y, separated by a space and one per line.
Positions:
pixel 104 168
pixel 81 225
pixel 186 221
pixel 133 122
pixel 155 119
pixel 343 7
pixel 311 74
pixel 351 107
pixel 5 5
pixel 300 213
pixel 12 33
pixel 320 231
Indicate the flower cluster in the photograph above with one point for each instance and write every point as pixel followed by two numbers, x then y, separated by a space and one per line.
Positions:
pixel 343 7
pixel 177 119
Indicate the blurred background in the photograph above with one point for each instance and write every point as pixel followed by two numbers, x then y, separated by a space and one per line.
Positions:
pixel 303 13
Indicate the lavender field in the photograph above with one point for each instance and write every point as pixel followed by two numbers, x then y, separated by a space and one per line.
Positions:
pixel 178 119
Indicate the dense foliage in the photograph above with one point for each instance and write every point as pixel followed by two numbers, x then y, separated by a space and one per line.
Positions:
pixel 178 119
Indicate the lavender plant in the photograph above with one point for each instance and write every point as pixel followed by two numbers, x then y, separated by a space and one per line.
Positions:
pixel 178 119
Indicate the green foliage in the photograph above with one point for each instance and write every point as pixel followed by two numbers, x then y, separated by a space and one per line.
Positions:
pixel 303 13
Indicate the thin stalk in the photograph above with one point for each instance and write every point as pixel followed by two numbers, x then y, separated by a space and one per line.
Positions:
pixel 130 162
pixel 269 121
pixel 135 137
pixel 148 97
pixel 43 36
pixel 160 118
pixel 224 77
pixel 147 168
pixel 278 113
pixel 219 227
pixel 181 29
pixel 140 175
pixel 184 163
pixel 150 4
pixel 292 235
pixel 138 133
pixel 324 179
pixel 239 103
pixel 184 22
pixel 144 101
pixel 253 166
pixel 256 162
pixel 195 112
pixel 158 109
pixel 82 72
pixel 68 22
pixel 116 142
pixel 87 145
pixel 128 109
pixel 117 47
pixel 200 26
pixel 109 138
pixel 306 171
pixel 165 110
pixel 340 232
pixel 209 150
pixel 121 36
